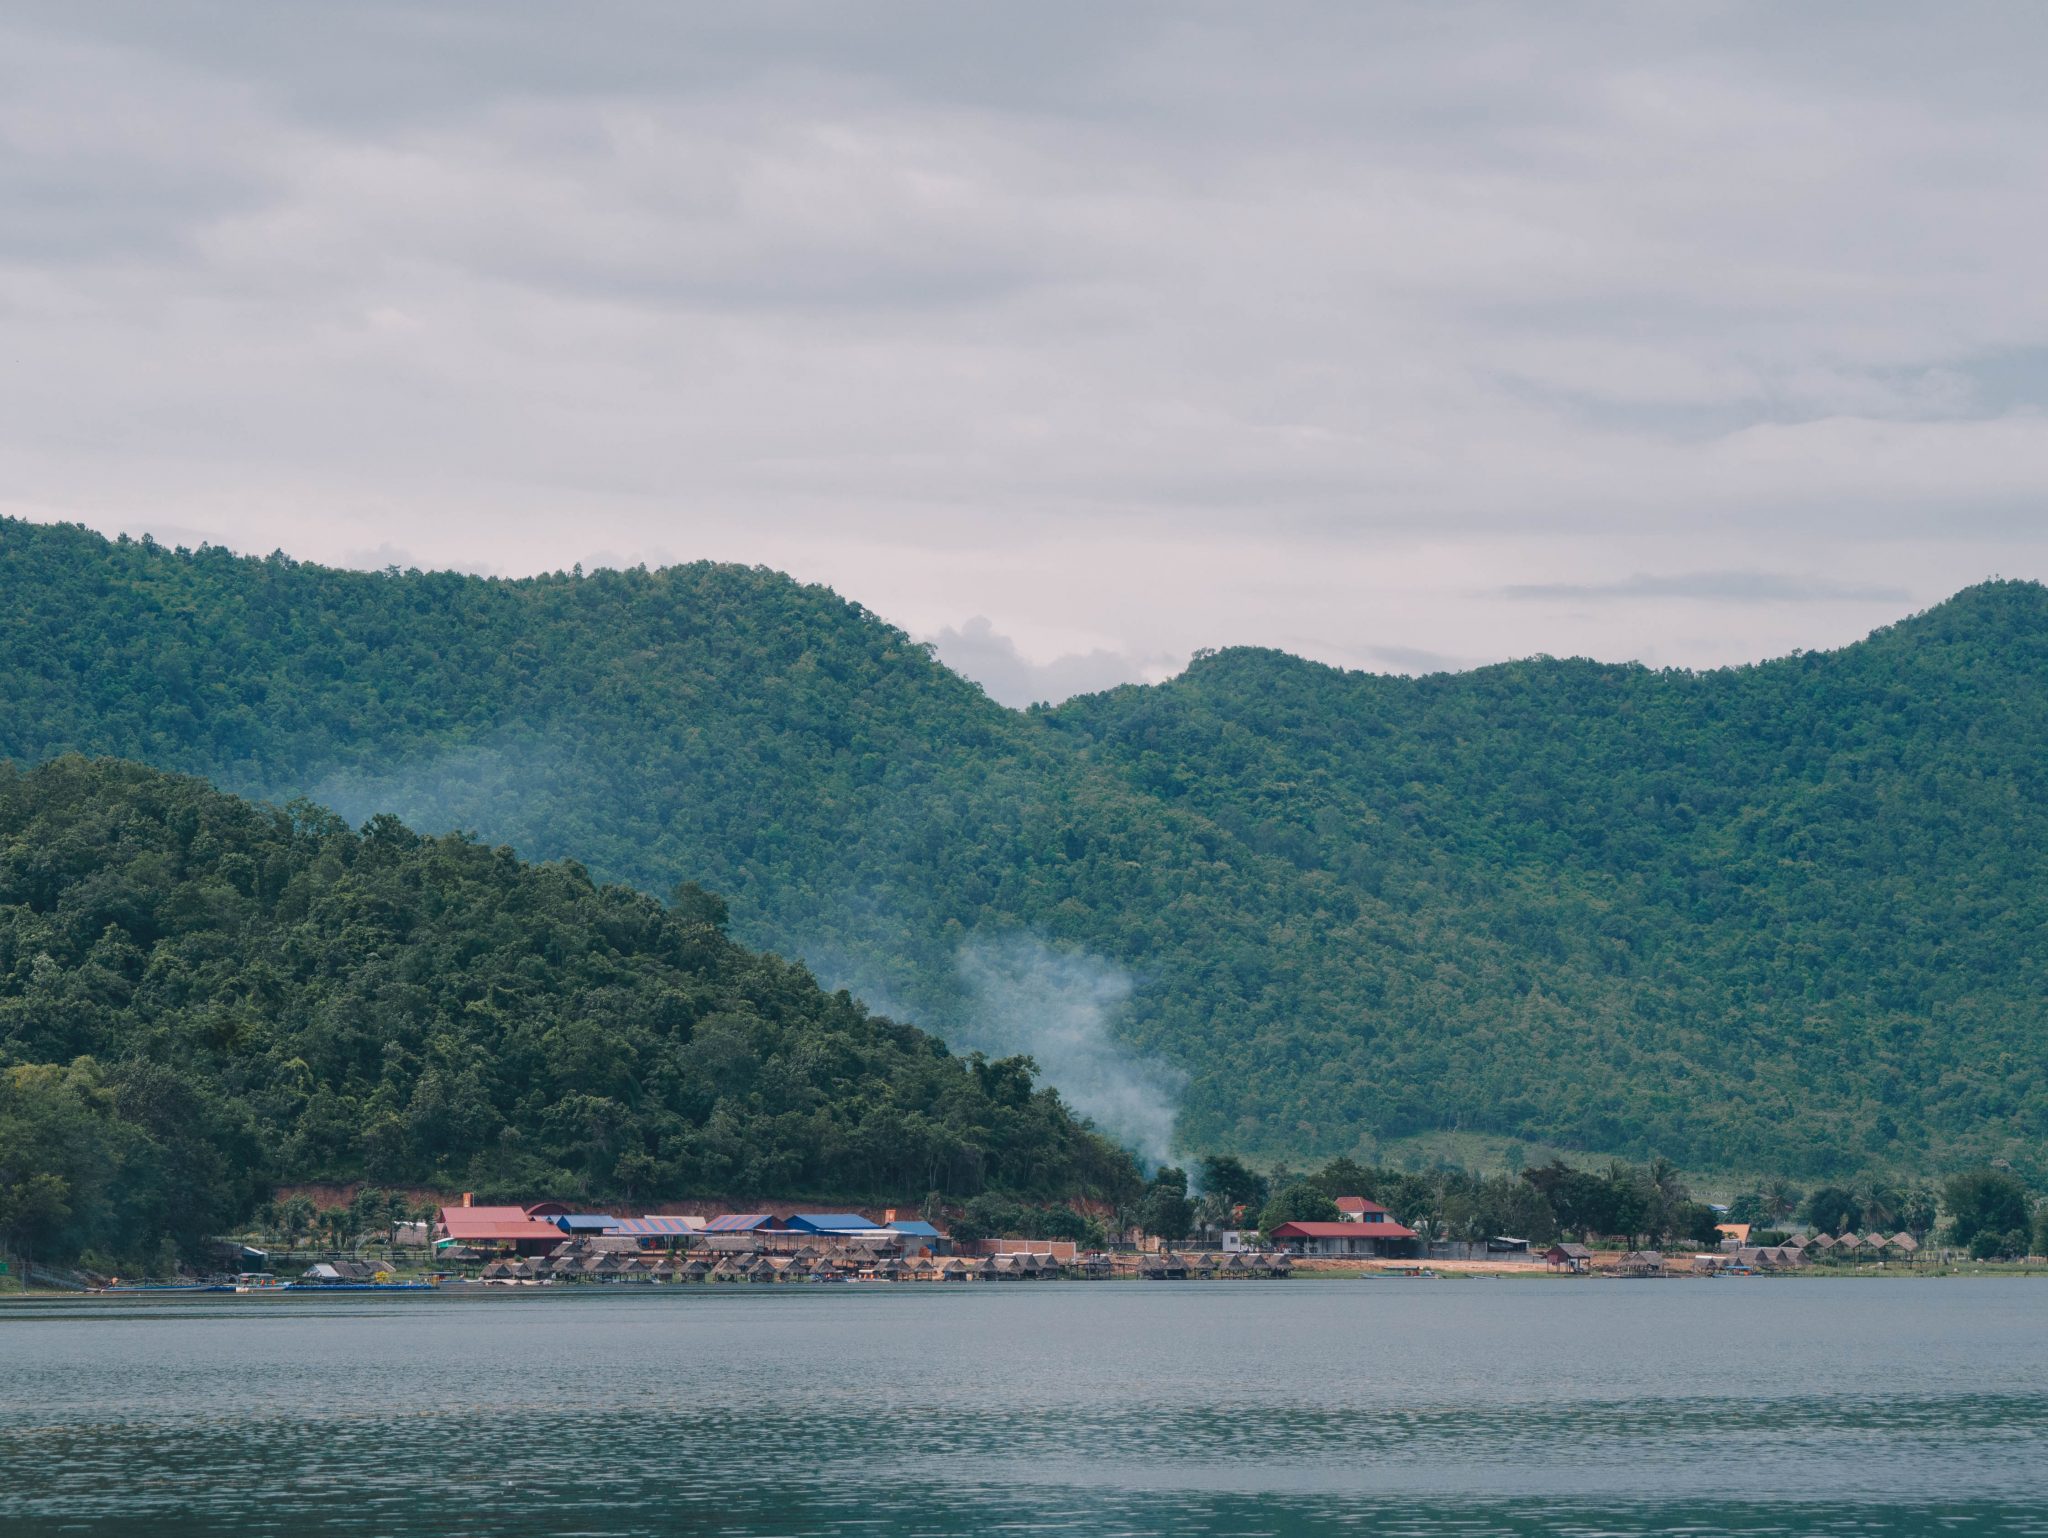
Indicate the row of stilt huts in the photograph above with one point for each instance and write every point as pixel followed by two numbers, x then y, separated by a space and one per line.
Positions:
pixel 574 1262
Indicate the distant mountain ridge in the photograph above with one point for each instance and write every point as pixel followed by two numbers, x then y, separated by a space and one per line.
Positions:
pixel 1788 915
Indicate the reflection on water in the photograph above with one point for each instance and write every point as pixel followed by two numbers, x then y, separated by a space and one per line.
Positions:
pixel 1307 1407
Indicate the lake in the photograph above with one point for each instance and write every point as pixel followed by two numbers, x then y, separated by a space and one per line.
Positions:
pixel 1422 1408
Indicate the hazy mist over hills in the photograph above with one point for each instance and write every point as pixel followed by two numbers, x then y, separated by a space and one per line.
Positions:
pixel 1787 914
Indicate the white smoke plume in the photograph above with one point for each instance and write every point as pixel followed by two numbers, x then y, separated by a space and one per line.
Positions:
pixel 1057 1006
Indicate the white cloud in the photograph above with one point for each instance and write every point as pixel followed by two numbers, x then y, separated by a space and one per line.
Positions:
pixel 979 651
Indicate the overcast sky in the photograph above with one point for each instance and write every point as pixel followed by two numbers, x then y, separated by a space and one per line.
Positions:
pixel 1073 336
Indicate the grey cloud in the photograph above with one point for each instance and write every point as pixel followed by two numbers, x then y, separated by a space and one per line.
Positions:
pixel 1729 586
pixel 1182 323
pixel 992 660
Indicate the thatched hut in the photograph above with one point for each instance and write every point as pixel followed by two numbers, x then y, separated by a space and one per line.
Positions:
pixel 1573 1258
pixel 1641 1263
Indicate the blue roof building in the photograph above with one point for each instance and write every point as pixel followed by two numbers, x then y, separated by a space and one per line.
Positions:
pixel 830 1223
pixel 917 1234
pixel 586 1223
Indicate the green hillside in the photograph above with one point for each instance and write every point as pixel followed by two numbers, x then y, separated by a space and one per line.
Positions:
pixel 199 995
pixel 1785 916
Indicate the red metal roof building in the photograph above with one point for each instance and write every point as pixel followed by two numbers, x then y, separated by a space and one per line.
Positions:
pixel 1380 1236
pixel 496 1228
pixel 1356 1209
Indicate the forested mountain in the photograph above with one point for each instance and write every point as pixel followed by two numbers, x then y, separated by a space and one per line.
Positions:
pixel 1787 916
pixel 199 995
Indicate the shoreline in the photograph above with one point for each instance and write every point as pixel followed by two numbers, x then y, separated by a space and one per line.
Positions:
pixel 1328 1273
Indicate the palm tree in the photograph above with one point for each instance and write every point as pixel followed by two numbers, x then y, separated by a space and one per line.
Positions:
pixel 1781 1199
pixel 294 1217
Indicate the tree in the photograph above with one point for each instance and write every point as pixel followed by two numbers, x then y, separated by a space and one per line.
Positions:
pixel 1834 1210
pixel 1164 1210
pixel 1699 1223
pixel 2038 1245
pixel 1480 1210
pixel 1300 1203
pixel 202 999
pixel 1988 1244
pixel 1344 1177
pixel 1230 1180
pixel 1343 891
pixel 1582 1201
pixel 295 1218
pixel 1918 1210
pixel 1982 1201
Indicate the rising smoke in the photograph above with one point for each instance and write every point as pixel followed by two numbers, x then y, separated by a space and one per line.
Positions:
pixel 1025 996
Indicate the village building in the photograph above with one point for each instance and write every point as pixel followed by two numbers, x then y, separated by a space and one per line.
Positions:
pixel 659 1232
pixel 586 1222
pixel 495 1229
pixel 840 1225
pixel 332 1272
pixel 1575 1258
pixel 916 1234
pixel 1372 1233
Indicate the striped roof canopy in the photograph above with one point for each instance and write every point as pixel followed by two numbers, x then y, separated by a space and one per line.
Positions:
pixel 659 1227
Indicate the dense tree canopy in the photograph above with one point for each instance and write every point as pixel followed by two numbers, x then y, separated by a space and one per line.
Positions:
pixel 197 993
pixel 1775 917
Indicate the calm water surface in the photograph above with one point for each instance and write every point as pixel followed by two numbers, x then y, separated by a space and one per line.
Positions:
pixel 1303 1407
